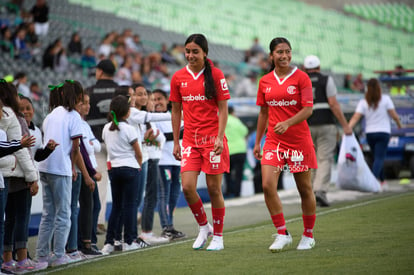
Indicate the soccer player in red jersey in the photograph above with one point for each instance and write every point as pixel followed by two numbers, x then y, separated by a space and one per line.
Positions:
pixel 200 91
pixel 285 99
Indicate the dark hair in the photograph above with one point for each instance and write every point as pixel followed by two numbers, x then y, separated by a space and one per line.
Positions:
pixel 373 94
pixel 136 85
pixel 164 94
pixel 200 40
pixel 19 75
pixel 119 105
pixel 272 46
pixel 25 97
pixel 55 97
pixel 72 92
pixel 8 96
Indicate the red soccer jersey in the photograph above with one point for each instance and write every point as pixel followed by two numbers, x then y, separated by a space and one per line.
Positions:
pixel 200 113
pixel 286 97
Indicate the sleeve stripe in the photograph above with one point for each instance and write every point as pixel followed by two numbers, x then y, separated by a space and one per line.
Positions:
pixel 76 136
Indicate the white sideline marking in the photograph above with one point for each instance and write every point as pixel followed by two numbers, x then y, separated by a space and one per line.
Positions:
pixel 321 213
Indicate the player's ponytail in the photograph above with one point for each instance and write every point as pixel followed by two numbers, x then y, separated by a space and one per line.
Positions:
pixel 119 109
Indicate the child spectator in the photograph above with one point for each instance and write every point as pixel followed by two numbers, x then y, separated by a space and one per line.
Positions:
pixel 88 200
pixel 124 160
pixel 62 125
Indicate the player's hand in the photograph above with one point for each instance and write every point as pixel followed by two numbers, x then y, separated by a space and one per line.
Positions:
pixel 27 141
pixel 218 147
pixel 177 152
pixel 281 127
pixel 257 151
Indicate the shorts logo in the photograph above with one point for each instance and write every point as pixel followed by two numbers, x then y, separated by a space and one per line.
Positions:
pixel 183 162
pixel 291 90
pixel 269 156
pixel 214 158
pixel 214 166
pixel 223 83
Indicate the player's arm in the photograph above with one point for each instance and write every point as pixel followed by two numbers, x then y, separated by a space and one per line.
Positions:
pixel 260 130
pixel 176 123
pixel 222 122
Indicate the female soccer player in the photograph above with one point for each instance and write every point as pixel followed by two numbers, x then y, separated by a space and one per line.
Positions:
pixel 200 91
pixel 285 100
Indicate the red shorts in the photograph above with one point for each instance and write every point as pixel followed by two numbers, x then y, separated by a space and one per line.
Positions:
pixel 290 161
pixel 203 159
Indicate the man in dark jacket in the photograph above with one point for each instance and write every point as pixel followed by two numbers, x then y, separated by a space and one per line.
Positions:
pixel 323 126
pixel 100 96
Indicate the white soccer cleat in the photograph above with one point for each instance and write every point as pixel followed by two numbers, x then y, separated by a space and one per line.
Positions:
pixel 281 241
pixel 306 243
pixel 205 232
pixel 216 244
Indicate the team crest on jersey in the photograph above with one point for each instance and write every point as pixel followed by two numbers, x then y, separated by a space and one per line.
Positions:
pixel 183 84
pixel 269 156
pixel 223 84
pixel 291 90
pixel 268 90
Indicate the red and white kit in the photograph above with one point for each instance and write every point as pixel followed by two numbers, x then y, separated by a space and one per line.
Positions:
pixel 285 98
pixel 200 120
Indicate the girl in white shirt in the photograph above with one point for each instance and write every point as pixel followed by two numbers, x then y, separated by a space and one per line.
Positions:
pixel 124 161
pixel 56 172
pixel 378 109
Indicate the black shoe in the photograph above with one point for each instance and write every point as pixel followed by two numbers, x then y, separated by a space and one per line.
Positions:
pixel 117 246
pixel 94 247
pixel 177 234
pixel 166 233
pixel 90 251
pixel 321 199
pixel 172 234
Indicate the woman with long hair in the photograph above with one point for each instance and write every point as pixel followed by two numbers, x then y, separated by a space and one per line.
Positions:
pixel 378 110
pixel 199 92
